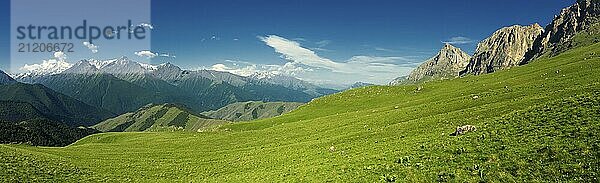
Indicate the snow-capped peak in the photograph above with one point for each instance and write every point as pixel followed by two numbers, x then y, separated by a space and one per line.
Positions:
pixel 263 75
pixel 99 64
pixel 149 67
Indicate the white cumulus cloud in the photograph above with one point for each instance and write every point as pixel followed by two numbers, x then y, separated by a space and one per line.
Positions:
pixel 57 64
pixel 150 54
pixel 91 46
pixel 146 53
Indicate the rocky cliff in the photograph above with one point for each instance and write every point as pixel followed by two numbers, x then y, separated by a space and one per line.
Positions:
pixel 504 49
pixel 447 63
pixel 560 35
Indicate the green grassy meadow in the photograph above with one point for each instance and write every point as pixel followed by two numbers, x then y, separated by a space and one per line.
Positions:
pixel 536 123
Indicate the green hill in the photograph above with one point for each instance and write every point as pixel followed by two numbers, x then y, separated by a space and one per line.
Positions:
pixel 14 111
pixel 41 132
pixel 36 115
pixel 247 111
pixel 165 117
pixel 536 123
pixel 53 105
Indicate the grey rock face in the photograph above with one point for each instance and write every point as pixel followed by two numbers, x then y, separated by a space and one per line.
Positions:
pixel 558 35
pixel 446 64
pixel 504 49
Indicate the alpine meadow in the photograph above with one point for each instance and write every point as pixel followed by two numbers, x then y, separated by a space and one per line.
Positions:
pixel 521 106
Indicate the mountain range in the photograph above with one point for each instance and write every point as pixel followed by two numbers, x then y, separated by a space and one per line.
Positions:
pixel 122 85
pixel 576 26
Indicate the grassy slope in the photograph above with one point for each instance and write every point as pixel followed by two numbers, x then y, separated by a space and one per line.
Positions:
pixel 54 105
pixel 165 117
pixel 247 111
pixel 534 124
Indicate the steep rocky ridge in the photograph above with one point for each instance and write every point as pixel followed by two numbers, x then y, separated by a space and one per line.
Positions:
pixel 581 19
pixel 506 48
pixel 447 63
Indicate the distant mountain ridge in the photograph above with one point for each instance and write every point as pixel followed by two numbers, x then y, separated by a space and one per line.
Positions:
pixel 122 85
pixel 360 84
pixel 293 83
pixel 577 25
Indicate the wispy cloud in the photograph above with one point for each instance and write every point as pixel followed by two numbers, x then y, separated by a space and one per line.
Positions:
pixel 459 40
pixel 384 49
pixel 323 43
pixel 304 63
pixel 149 54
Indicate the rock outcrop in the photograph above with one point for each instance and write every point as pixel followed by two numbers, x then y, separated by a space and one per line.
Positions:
pixel 559 35
pixel 504 49
pixel 399 81
pixel 446 64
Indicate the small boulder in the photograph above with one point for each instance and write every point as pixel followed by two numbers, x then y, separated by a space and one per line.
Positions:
pixel 461 130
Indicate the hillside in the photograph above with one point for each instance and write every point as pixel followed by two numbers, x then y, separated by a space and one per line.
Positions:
pixel 53 105
pixel 165 117
pixel 537 122
pixel 36 115
pixel 247 111
pixel 15 111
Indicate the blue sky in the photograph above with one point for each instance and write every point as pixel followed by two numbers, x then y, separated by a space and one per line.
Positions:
pixel 243 36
